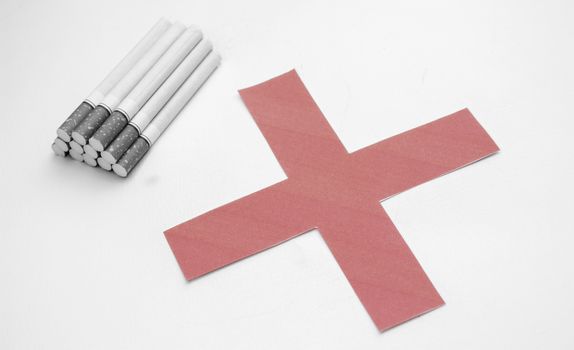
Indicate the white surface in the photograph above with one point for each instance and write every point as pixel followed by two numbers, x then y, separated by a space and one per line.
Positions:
pixel 496 238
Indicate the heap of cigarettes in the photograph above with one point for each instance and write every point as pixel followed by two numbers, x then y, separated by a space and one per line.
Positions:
pixel 115 126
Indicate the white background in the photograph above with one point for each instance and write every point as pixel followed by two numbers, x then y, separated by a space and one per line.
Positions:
pixel 83 260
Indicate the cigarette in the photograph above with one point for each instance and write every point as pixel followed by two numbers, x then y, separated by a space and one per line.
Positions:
pixel 76 155
pixel 76 147
pixel 153 79
pixel 80 113
pixel 58 151
pixel 91 151
pixel 169 112
pixel 102 111
pixel 104 164
pixel 61 144
pixel 65 130
pixel 89 160
pixel 142 119
pixel 132 156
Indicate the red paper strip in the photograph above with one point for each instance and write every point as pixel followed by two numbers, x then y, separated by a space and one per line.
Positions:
pixel 337 192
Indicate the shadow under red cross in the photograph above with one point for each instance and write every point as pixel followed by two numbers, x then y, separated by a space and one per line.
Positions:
pixel 338 193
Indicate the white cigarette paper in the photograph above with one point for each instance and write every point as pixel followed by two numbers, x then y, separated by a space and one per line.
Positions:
pixel 166 91
pixel 180 99
pixel 135 74
pixel 116 147
pixel 159 72
pixel 128 62
pixel 151 81
pixel 141 146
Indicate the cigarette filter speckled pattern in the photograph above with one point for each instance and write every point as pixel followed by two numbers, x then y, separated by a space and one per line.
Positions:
pixel 131 158
pixel 169 112
pixel 65 130
pixel 90 124
pixel 108 131
pixel 145 88
pixel 120 144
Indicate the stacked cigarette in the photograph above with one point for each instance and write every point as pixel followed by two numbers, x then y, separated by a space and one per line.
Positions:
pixel 117 124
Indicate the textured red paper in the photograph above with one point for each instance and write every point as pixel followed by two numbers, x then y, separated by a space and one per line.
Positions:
pixel 338 193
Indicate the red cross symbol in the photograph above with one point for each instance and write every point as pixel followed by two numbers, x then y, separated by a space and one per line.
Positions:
pixel 338 193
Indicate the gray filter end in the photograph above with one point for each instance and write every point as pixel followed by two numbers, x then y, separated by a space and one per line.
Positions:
pixel 88 126
pixel 131 158
pixel 121 144
pixel 65 130
pixel 108 131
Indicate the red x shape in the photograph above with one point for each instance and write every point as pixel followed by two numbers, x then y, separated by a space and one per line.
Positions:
pixel 338 193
